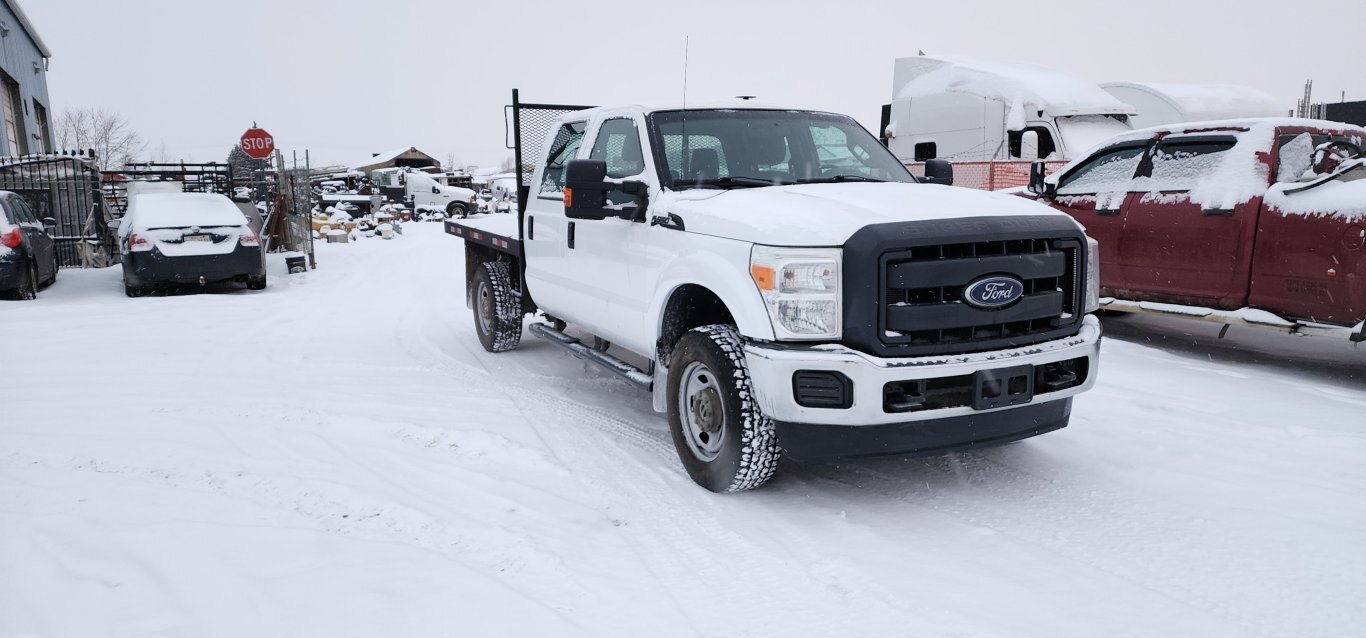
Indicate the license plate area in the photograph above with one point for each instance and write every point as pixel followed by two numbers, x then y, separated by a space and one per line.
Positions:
pixel 197 238
pixel 1003 387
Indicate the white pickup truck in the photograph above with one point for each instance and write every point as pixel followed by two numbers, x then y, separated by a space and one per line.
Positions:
pixel 785 286
pixel 424 192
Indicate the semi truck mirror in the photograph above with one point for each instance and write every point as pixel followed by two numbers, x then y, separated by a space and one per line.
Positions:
pixel 939 171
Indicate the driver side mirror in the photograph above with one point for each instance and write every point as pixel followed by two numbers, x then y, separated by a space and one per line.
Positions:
pixel 586 188
pixel 49 223
pixel 939 171
pixel 436 190
pixel 1037 184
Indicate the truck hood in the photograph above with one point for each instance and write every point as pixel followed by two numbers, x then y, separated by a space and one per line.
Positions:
pixel 828 214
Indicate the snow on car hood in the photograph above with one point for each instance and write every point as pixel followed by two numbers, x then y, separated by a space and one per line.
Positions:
pixel 828 214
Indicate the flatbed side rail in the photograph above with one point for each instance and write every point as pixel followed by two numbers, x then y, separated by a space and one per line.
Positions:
pixel 499 243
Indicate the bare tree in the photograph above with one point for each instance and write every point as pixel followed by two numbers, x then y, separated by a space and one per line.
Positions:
pixel 509 165
pixel 112 137
pixel 450 161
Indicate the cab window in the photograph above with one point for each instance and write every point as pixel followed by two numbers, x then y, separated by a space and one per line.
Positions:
pixel 1180 164
pixel 618 145
pixel 1107 171
pixel 562 149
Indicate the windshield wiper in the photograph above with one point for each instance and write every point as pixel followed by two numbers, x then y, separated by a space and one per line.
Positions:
pixel 834 179
pixel 732 181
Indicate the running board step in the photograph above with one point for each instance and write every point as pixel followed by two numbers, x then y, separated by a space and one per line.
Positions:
pixel 635 375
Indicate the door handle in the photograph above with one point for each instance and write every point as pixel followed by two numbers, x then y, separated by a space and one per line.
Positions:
pixel 571 235
pixel 1217 212
pixel 1107 212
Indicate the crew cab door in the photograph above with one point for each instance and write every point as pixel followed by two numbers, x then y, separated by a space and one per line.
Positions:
pixel 1094 193
pixel 1187 238
pixel 1310 259
pixel 546 232
pixel 606 253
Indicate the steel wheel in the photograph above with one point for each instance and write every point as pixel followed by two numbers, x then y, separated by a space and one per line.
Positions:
pixel 702 411
pixel 484 297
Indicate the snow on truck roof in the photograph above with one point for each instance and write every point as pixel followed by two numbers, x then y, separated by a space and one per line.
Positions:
pixel 1237 126
pixel 713 105
pixel 1055 92
pixel 1203 101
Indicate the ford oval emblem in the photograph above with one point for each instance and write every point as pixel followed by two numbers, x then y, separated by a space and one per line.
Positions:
pixel 993 292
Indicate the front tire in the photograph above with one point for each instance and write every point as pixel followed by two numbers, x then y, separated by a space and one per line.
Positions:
pixel 256 283
pixel 134 291
pixel 724 440
pixel 497 307
pixel 456 208
pixel 56 265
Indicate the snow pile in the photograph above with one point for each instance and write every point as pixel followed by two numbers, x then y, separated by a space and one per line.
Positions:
pixel 180 210
pixel 1032 87
pixel 397 480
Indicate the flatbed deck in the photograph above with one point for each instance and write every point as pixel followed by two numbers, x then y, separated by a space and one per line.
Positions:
pixel 495 230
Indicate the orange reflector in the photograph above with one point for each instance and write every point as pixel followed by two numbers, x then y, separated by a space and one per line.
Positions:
pixel 763 276
pixel 568 197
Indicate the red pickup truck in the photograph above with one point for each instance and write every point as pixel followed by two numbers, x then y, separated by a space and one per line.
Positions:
pixel 1258 221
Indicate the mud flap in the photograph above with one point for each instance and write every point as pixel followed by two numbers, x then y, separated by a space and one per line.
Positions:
pixel 661 388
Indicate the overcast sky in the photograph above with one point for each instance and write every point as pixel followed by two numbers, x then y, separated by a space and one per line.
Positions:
pixel 346 78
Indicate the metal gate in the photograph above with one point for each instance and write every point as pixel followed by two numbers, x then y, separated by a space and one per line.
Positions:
pixel 66 189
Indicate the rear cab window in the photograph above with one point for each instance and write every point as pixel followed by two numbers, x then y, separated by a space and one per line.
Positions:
pixel 1181 163
pixel 563 148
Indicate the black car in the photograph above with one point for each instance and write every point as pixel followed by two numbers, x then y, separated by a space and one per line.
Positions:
pixel 28 255
pixel 188 238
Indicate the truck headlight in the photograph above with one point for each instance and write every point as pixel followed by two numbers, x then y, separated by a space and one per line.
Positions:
pixel 1092 301
pixel 801 289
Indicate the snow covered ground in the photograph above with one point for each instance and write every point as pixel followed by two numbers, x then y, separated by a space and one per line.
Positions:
pixel 336 456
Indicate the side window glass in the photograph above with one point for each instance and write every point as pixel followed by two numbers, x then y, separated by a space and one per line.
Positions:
pixel 618 144
pixel 1296 157
pixel 1179 166
pixel 1107 171
pixel 562 149
pixel 22 212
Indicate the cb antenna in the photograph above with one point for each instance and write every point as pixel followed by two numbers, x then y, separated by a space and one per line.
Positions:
pixel 685 157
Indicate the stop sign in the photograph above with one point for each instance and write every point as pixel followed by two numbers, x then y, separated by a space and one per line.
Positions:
pixel 257 143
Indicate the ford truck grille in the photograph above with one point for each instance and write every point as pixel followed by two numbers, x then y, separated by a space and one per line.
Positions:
pixel 921 304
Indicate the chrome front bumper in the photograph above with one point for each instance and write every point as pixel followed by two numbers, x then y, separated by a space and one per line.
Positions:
pixel 772 368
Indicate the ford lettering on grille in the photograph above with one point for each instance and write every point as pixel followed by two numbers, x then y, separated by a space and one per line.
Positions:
pixel 993 292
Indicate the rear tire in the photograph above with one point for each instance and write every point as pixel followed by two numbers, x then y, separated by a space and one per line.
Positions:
pixel 256 283
pixel 134 291
pixel 726 443
pixel 28 288
pixel 497 307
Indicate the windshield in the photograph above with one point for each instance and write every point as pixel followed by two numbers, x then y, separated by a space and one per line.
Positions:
pixel 1081 133
pixel 744 148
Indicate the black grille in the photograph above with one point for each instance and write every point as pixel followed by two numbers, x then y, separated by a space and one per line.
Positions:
pixel 923 286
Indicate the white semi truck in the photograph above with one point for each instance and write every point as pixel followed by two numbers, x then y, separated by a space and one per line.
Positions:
pixel 962 109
